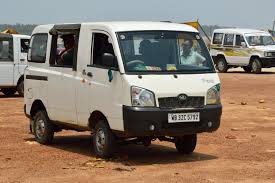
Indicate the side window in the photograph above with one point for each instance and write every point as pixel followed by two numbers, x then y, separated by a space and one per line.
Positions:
pixel 63 50
pixel 6 49
pixel 103 52
pixel 38 48
pixel 228 39
pixel 217 38
pixel 24 45
pixel 239 40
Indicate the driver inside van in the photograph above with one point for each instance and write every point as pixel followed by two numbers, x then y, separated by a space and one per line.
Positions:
pixel 67 54
pixel 189 56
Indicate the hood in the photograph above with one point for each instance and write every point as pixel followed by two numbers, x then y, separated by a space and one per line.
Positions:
pixel 265 48
pixel 169 86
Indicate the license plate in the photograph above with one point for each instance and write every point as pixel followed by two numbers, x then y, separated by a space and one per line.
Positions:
pixel 183 117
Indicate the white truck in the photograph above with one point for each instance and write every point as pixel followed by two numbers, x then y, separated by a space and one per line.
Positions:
pixel 247 48
pixel 126 82
pixel 13 61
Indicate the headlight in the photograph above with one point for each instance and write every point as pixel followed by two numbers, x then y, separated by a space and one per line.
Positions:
pixel 213 95
pixel 142 97
pixel 268 54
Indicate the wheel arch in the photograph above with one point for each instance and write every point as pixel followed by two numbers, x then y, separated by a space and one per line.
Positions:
pixel 253 57
pixel 21 78
pixel 36 106
pixel 219 55
pixel 95 117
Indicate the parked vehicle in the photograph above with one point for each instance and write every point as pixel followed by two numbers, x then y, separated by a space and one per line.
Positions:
pixel 13 61
pixel 126 82
pixel 250 49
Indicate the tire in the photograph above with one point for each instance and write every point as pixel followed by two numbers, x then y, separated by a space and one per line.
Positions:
pixel 20 88
pixel 186 144
pixel 43 129
pixel 221 65
pixel 247 69
pixel 8 91
pixel 256 66
pixel 103 140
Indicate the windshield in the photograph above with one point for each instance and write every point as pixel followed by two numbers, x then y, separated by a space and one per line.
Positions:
pixel 260 40
pixel 164 51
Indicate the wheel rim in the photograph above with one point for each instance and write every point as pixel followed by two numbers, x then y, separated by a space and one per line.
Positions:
pixel 254 66
pixel 40 128
pixel 221 65
pixel 100 139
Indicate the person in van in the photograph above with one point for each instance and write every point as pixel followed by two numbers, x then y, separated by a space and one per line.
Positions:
pixel 145 49
pixel 67 54
pixel 189 56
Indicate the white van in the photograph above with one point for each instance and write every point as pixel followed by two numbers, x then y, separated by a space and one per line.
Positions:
pixel 129 82
pixel 13 61
pixel 247 48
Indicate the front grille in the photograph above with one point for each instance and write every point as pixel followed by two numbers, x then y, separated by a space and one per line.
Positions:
pixel 174 102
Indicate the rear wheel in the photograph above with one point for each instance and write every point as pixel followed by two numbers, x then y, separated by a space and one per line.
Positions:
pixel 20 88
pixel 256 66
pixel 247 69
pixel 221 64
pixel 103 140
pixel 8 91
pixel 186 144
pixel 43 129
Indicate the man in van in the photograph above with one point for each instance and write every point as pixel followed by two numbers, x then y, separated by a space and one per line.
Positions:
pixel 189 56
pixel 67 54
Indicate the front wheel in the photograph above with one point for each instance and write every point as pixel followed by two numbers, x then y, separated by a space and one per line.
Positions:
pixel 186 144
pixel 256 66
pixel 43 129
pixel 8 91
pixel 103 140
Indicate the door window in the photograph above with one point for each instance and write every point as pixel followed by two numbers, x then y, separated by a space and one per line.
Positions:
pixel 102 46
pixel 25 43
pixel 63 50
pixel 239 40
pixel 38 50
pixel 6 50
pixel 228 39
pixel 217 38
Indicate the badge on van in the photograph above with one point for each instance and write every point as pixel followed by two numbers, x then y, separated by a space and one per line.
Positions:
pixel 182 97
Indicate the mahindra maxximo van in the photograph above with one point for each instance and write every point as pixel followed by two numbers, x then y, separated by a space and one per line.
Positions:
pixel 126 82
pixel 250 49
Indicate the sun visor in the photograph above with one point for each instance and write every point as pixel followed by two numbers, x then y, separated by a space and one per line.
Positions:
pixel 63 29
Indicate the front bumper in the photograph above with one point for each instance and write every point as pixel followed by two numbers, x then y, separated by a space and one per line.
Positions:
pixel 137 121
pixel 268 62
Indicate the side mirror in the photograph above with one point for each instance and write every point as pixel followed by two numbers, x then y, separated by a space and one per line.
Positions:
pixel 109 60
pixel 243 44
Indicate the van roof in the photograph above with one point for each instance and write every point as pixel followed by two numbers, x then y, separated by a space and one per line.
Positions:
pixel 126 26
pixel 238 31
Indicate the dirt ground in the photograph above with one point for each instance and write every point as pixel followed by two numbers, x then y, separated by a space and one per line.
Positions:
pixel 242 150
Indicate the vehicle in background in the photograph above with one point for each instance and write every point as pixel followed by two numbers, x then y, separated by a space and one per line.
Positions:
pixel 250 49
pixel 126 82
pixel 13 61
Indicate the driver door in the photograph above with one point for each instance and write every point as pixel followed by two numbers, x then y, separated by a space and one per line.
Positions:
pixel 6 61
pixel 95 91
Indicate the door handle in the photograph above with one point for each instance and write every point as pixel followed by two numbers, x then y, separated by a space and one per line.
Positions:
pixel 89 74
